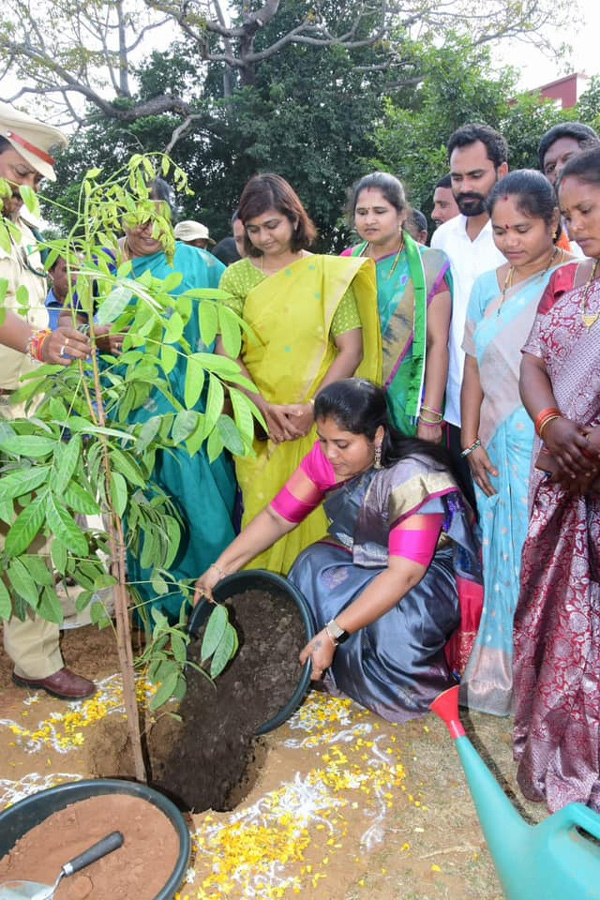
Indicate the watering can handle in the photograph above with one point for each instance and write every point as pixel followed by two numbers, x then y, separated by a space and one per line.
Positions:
pixel 576 815
pixel 101 848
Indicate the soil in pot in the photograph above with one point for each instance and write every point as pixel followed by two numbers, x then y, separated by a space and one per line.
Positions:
pixel 215 753
pixel 140 868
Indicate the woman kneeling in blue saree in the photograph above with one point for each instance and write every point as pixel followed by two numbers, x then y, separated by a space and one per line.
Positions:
pixel 384 583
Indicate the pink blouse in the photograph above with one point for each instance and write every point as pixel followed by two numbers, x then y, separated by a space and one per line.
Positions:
pixel 415 538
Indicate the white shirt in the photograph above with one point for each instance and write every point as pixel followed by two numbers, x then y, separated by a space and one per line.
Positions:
pixel 468 260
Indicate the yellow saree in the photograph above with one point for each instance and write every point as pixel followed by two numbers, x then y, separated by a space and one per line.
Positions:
pixel 288 355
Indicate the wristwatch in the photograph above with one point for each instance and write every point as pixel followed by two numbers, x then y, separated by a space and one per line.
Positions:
pixel 336 632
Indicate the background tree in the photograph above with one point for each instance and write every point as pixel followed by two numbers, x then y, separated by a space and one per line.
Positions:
pixel 315 91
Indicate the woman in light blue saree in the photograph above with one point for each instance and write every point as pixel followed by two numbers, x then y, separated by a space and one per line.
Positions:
pixel 497 433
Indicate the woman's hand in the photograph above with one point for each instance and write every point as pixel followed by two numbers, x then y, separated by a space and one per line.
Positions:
pixel 320 651
pixel 302 416
pixel 280 426
pixel 433 433
pixel 480 464
pixel 568 444
pixel 64 345
pixel 205 584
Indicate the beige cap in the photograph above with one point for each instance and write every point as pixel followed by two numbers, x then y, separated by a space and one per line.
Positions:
pixel 188 230
pixel 36 142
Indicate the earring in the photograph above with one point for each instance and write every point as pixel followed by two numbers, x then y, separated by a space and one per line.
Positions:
pixel 377 460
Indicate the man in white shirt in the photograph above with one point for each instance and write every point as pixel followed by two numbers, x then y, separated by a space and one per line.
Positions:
pixel 478 159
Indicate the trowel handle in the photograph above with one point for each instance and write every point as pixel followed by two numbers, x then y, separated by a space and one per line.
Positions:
pixel 111 842
pixel 576 815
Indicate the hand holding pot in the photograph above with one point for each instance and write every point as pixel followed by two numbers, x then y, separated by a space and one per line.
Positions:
pixel 320 650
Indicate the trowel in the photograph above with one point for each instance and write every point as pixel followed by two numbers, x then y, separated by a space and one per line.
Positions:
pixel 35 890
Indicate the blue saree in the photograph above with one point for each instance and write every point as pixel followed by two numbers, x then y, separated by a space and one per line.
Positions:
pixel 395 666
pixel 203 493
pixel 495 332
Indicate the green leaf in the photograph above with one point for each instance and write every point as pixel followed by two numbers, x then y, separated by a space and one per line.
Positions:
pixel 171 282
pixel 244 412
pixel 78 499
pixel 39 569
pixel 119 493
pixel 7 511
pixel 26 527
pixel 208 318
pixel 166 689
pixel 66 458
pixel 230 331
pixel 214 445
pixel 127 467
pixel 213 634
pixel 147 433
pixel 214 403
pixel 59 556
pixel 22 582
pixel 224 651
pixel 196 439
pixel 159 585
pixel 179 647
pixel 173 533
pixel 184 425
pixel 230 435
pixel 168 358
pixel 22 481
pixel 5 602
pixel 150 548
pixel 62 525
pixel 22 296
pixel 113 306
pixel 174 329
pixel 33 445
pixel 194 382
pixel 49 606
pixel 29 198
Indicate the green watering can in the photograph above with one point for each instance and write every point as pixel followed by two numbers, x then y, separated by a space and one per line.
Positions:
pixel 549 861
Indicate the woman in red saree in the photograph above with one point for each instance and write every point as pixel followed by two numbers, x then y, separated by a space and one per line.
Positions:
pixel 557 623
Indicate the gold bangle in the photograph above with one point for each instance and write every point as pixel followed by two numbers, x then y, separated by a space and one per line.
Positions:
pixel 547 422
pixel 222 572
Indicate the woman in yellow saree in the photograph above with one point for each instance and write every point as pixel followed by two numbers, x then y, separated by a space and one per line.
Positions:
pixel 313 320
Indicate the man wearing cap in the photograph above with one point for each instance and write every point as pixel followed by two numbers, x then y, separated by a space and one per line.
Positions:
pixel 26 148
pixel 193 233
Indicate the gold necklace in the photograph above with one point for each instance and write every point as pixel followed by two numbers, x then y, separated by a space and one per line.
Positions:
pixel 508 281
pixel 589 319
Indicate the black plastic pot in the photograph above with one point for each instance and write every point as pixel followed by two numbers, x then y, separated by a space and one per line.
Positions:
pixel 17 820
pixel 269 582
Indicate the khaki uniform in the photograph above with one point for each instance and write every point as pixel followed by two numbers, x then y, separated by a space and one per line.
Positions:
pixel 33 645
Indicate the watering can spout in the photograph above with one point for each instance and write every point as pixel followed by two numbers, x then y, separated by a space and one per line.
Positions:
pixel 552 860
pixel 445 706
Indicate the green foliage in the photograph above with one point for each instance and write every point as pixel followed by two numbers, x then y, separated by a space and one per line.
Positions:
pixel 164 659
pixel 91 441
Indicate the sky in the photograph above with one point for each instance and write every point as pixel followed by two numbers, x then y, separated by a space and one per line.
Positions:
pixel 538 69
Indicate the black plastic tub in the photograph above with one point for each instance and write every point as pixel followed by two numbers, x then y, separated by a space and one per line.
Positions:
pixel 17 820
pixel 269 582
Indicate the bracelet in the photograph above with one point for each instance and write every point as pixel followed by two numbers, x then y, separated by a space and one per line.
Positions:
pixel 430 424
pixel 547 421
pixel 437 421
pixel 221 572
pixel 430 409
pixel 35 342
pixel 333 639
pixel 470 449
pixel 545 414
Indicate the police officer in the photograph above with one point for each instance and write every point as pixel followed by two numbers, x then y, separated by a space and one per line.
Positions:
pixel 26 156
